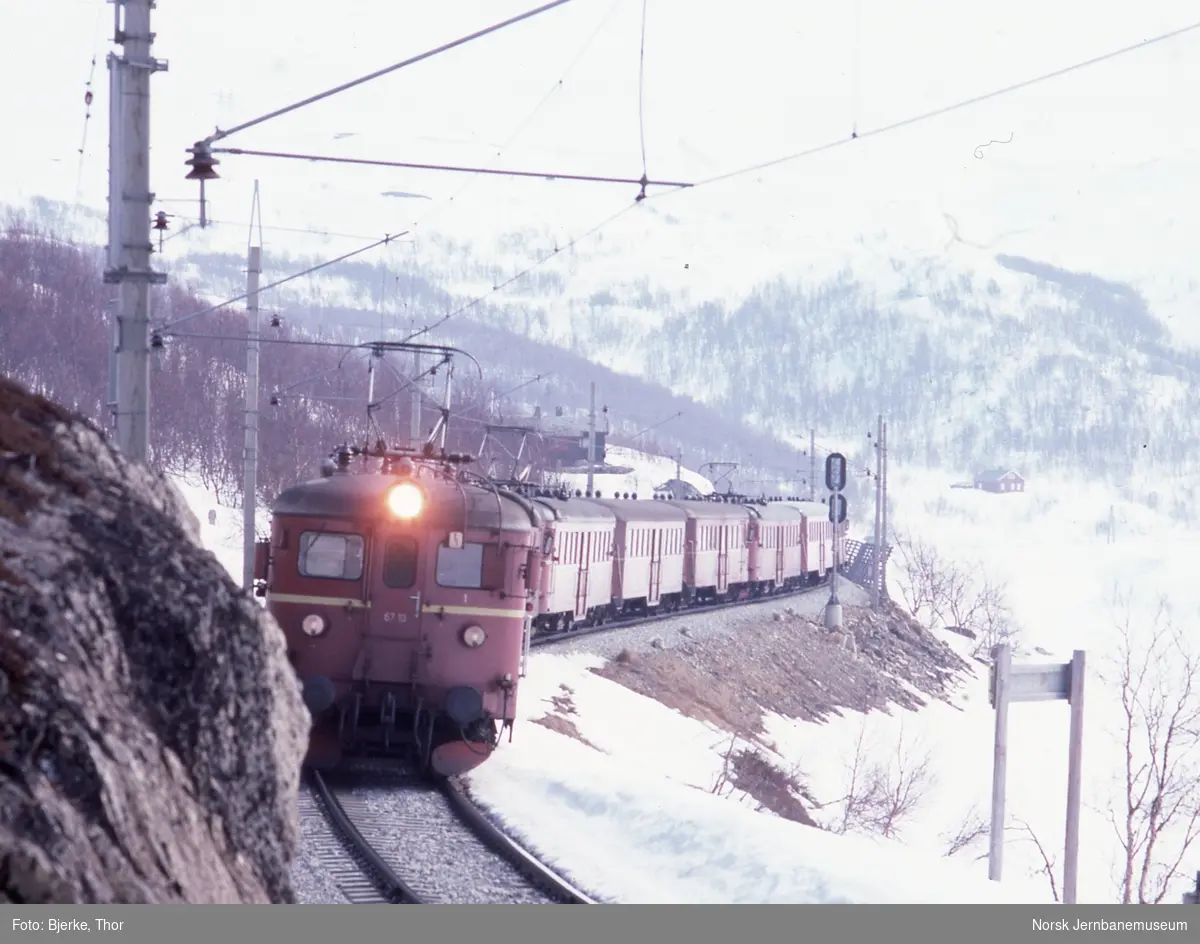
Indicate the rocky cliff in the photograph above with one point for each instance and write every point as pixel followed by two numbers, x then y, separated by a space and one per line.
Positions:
pixel 151 728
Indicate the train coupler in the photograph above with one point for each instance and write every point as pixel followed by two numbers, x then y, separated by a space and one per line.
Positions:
pixel 387 718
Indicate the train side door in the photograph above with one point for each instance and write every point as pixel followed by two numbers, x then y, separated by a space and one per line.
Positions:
pixel 777 534
pixel 585 545
pixel 656 552
pixel 722 558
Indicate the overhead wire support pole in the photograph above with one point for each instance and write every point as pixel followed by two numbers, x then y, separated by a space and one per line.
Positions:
pixel 591 454
pixel 129 201
pixel 876 566
pixel 883 514
pixel 250 470
pixel 812 461
pixel 202 161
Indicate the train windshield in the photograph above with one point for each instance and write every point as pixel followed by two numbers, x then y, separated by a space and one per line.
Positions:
pixel 460 566
pixel 400 563
pixel 332 556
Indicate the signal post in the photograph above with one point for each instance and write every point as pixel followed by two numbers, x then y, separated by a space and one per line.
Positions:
pixel 835 481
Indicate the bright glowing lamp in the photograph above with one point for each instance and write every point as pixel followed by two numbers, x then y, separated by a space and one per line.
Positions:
pixel 406 500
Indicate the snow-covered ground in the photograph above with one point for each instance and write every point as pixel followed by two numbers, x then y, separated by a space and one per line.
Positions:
pixel 224 536
pixel 634 816
pixel 648 473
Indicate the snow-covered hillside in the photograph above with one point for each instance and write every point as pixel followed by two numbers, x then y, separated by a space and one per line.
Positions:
pixel 886 292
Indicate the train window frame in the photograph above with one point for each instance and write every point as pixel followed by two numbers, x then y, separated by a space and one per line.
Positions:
pixel 414 563
pixel 350 538
pixel 468 547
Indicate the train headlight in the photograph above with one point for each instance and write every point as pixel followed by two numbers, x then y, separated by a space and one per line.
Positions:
pixel 313 625
pixel 473 637
pixel 406 500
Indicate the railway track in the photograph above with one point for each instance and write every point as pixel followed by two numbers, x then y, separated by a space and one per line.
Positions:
pixel 397 837
pixel 630 622
pixel 386 835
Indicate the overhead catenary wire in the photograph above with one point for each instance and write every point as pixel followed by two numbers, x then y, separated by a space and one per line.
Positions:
pixel 443 206
pixel 87 113
pixel 475 171
pixel 521 274
pixel 873 132
pixel 219 134
pixel 799 155
pixel 162 329
pixel 642 94
pixel 939 111
pixel 408 165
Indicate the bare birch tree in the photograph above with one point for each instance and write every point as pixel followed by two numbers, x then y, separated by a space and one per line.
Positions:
pixel 1157 820
pixel 941 591
pixel 879 796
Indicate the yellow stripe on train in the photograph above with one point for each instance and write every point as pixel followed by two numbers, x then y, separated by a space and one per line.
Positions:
pixel 318 601
pixel 473 610
pixel 433 609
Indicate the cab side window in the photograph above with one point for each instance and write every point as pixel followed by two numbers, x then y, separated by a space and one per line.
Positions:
pixel 331 556
pixel 460 567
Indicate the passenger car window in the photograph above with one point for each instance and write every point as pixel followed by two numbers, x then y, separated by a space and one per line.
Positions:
pixel 331 556
pixel 460 567
pixel 400 563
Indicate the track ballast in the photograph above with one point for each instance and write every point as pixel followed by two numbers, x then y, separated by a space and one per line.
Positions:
pixel 407 839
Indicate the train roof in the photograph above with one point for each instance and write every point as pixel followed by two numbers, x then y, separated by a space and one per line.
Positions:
pixel 360 496
pixel 575 509
pixel 709 510
pixel 629 510
pixel 777 511
pixel 810 509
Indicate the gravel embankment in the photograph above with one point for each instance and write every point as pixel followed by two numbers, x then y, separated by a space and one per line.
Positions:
pixel 695 627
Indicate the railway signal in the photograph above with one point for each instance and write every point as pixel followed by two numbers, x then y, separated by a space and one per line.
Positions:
pixel 835 481
pixel 837 508
pixel 835 472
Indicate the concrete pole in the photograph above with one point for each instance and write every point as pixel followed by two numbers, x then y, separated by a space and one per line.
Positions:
pixel 591 441
pixel 414 422
pixel 446 406
pixel 114 342
pixel 129 201
pixel 250 469
pixel 812 462
pixel 883 516
pixel 877 570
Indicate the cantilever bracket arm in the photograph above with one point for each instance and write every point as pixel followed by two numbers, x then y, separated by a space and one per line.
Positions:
pixel 417 348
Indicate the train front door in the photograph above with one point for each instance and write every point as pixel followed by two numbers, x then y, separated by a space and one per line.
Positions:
pixel 656 551
pixel 581 585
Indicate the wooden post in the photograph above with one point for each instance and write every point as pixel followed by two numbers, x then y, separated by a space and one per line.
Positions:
pixel 1074 778
pixel 1001 662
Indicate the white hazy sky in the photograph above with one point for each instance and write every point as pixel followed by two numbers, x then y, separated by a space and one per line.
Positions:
pixel 1106 154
